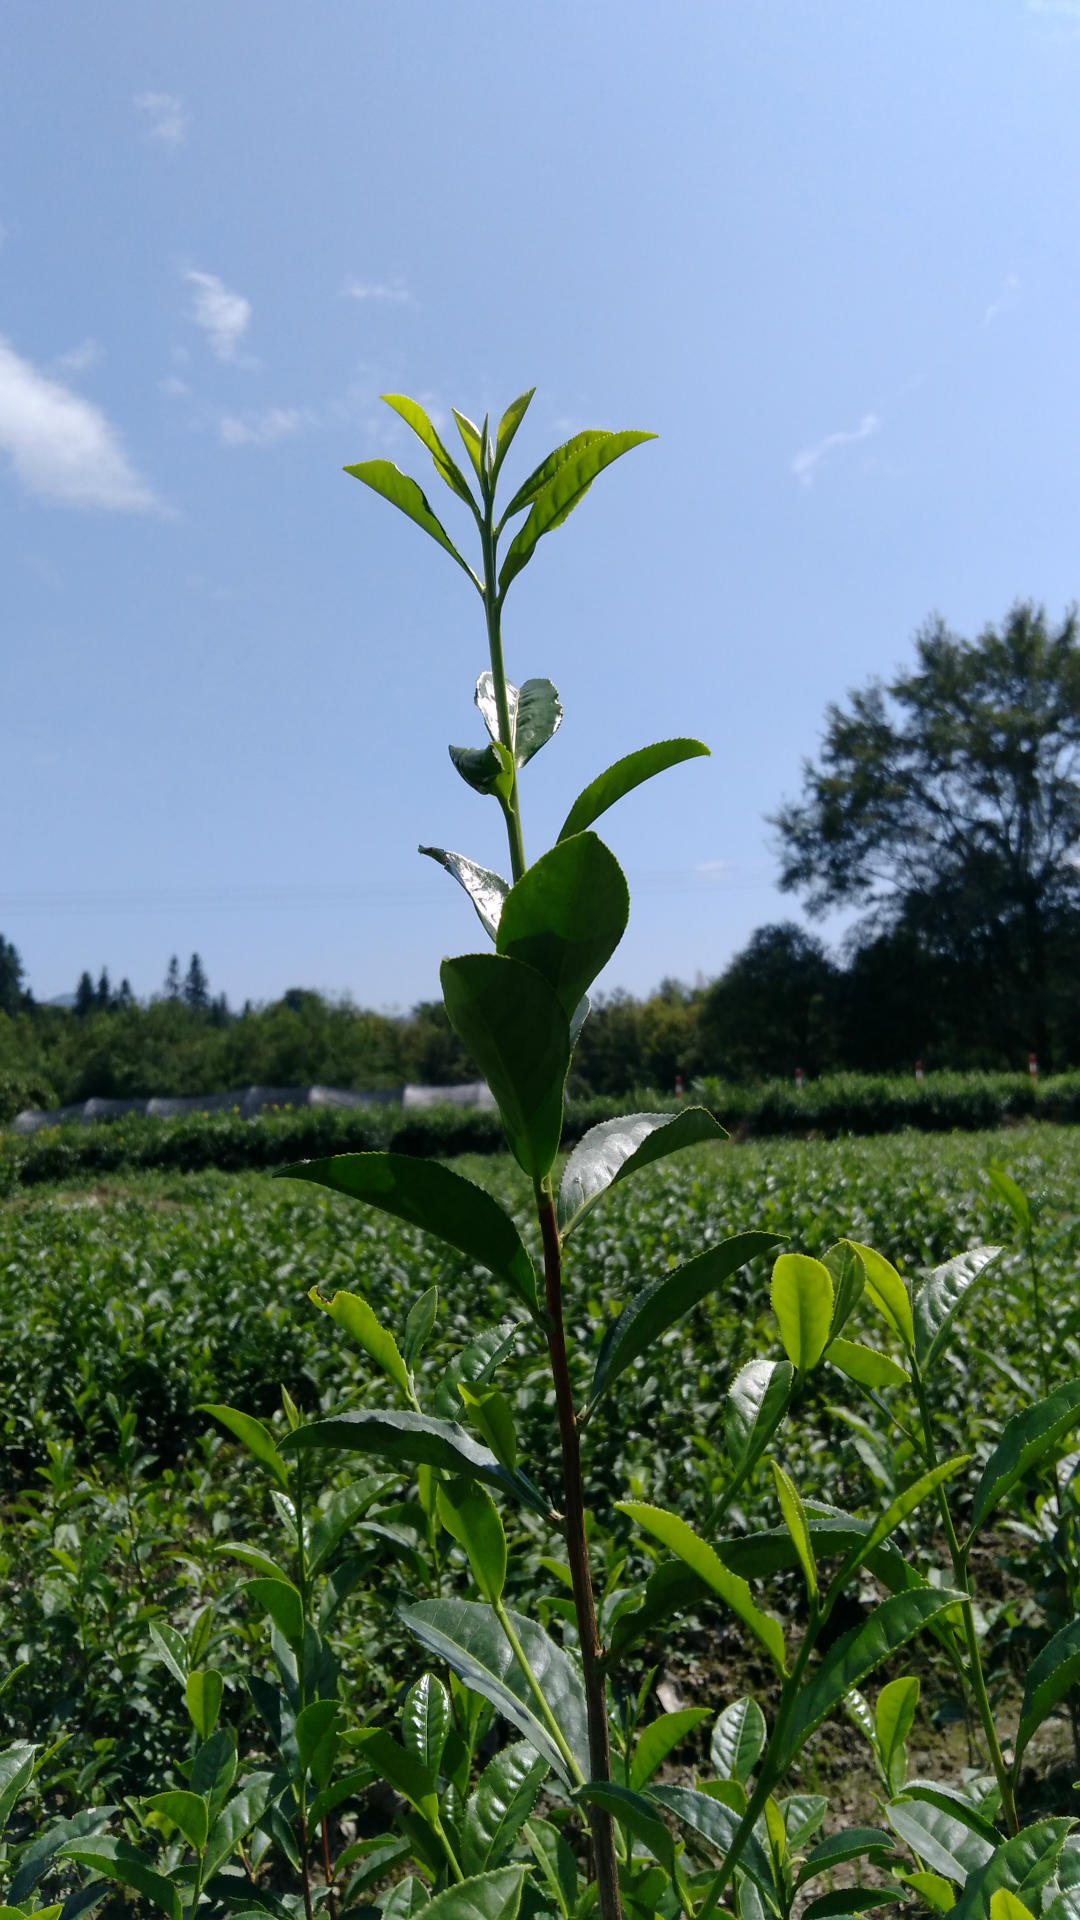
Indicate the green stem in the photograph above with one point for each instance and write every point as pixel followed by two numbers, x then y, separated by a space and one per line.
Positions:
pixel 537 1692
pixel 511 809
pixel 577 1553
pixel 451 1856
pixel 959 1557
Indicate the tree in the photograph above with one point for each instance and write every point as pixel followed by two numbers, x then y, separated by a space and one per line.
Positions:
pixel 11 974
pixel 196 985
pixel 948 806
pixel 771 1010
pixel 85 997
pixel 172 979
pixel 103 992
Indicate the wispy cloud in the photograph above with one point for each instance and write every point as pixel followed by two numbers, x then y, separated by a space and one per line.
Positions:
pixel 61 447
pixel 394 290
pixel 261 429
pixel 1010 287
pixel 78 359
pixel 804 465
pixel 1064 9
pixel 164 117
pixel 223 316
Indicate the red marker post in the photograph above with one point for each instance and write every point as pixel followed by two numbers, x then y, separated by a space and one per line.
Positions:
pixel 918 1070
pixel 1033 1065
pixel 799 1079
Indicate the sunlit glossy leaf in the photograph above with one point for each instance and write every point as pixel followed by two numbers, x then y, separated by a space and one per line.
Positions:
pixel 357 1318
pixel 718 1825
pixel 679 1538
pixel 558 497
pixel 487 770
pixel 467 1635
pixel 566 916
pixel 485 889
pixel 854 1843
pixel 1052 1673
pixel 865 1365
pixel 383 477
pixel 432 1196
pixel 1023 1864
pixel 414 1439
pixel 484 1896
pixel 514 1025
pixel 472 439
pixel 848 1277
pixel 534 711
pixel 738 1740
pixel 426 1720
pixel 894 1716
pixel 415 417
pixel 495 1813
pixel 660 1738
pixel 758 1399
pixel 801 1294
pixel 795 1521
pixel 939 1299
pixel 659 1305
pixel 888 1293
pixel 253 1435
pixel 623 777
pixel 508 426
pixel 617 1148
pixel 1025 1439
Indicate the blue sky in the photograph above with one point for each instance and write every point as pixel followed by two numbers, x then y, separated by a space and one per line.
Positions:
pixel 827 252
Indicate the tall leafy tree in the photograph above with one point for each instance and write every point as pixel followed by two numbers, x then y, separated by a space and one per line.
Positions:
pixel 196 985
pixel 947 805
pixel 771 1009
pixel 11 976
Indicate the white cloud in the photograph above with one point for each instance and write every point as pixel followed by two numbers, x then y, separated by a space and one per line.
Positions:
pixel 259 430
pixel 395 290
pixel 164 116
pixel 78 359
pixel 223 316
pixel 61 447
pixel 172 388
pixel 1007 296
pixel 805 464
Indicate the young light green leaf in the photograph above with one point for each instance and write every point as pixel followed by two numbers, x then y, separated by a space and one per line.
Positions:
pixel 802 1300
pixel 472 440
pixel 489 1412
pixel 1014 1197
pixel 931 1888
pixel 865 1365
pixel 618 1148
pixel 418 1325
pixel 515 1027
pixel 495 1813
pixel 888 1293
pixel 426 1720
pixel 430 1195
pixel 203 1692
pixel 894 1716
pixel 1051 1675
pixel 939 1299
pixel 552 504
pixel 188 1811
pixel 795 1521
pixel 680 1538
pixel 659 1305
pixel 1025 1439
pixel 414 1439
pixel 548 467
pixel 857 1654
pixel 660 1738
pixel 253 1435
pixel 354 1314
pixel 119 1860
pixel 848 1277
pixel 897 1511
pixel 468 1513
pixel 621 779
pixel 738 1740
pixel 507 427
pixel 415 417
pixel 484 1896
pixel 467 1635
pixel 1005 1906
pixel 383 477
pixel 485 889
pixel 566 916
pixel 758 1399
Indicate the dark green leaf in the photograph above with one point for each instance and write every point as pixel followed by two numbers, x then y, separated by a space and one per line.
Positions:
pixel 939 1299
pixel 469 1514
pixel 341 1512
pixel 425 1720
pixel 484 888
pixel 1023 1864
pixel 855 1655
pixel 761 1553
pixel 1024 1440
pixel 414 1439
pixel 487 770
pixel 467 1635
pixel 887 1522
pixel 658 1306
pixel 505 1795
pixel 617 1148
pixel 633 1812
pixel 623 777
pixel 383 477
pixel 679 1537
pixel 566 916
pixel 253 1435
pixel 317 1730
pixel 758 1399
pixel 514 1026
pixel 405 1898
pixel 485 1896
pixel 281 1600
pixel 569 484
pixel 475 1366
pixel 508 426
pixel 660 1738
pixel 738 1740
pixel 845 1900
pixel 855 1843
pixel 415 417
pixel 533 710
pixel 718 1825
pixel 429 1195
pixel 119 1860
pixel 1050 1676
pixel 418 1324
pixel 16 1773
pixel 400 1768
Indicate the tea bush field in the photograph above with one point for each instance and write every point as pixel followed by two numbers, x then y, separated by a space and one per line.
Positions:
pixel 126 1308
